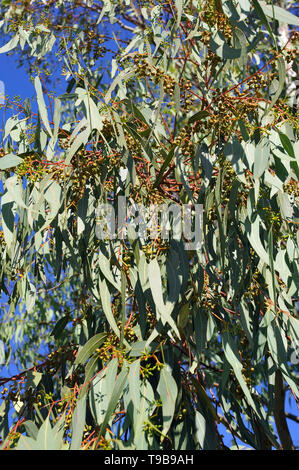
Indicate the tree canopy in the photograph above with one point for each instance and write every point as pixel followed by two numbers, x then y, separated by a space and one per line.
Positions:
pixel 133 339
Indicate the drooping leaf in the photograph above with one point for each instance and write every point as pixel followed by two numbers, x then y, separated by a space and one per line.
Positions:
pixel 41 104
pixel 164 309
pixel 287 145
pixel 60 326
pixel 279 14
pixel 9 161
pixel 167 389
pixel 204 432
pixel 233 358
pixel 78 422
pixel 114 397
pixel 10 45
pixel 89 347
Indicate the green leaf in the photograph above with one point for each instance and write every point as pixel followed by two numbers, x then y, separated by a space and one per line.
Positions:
pixel 8 218
pixel 67 96
pixel 27 443
pixel 56 121
pixel 163 310
pixel 205 432
pixel 123 307
pixel 137 349
pixel 15 189
pixel 53 196
pixel 220 47
pixel 130 106
pixel 41 104
pixel 78 422
pixel 164 166
pixel 106 269
pixel 183 316
pixel 174 275
pixel 47 438
pixel 81 139
pixel 287 145
pixel 253 234
pixel 246 320
pixel 88 349
pixel 261 158
pixel 31 429
pixel 235 153
pixel 60 326
pixel 295 167
pixel 116 393
pixel 200 322
pixel 145 408
pixel 167 389
pixel 203 398
pixel 277 344
pixel 243 130
pixel 106 304
pixel 282 77
pixel 9 161
pixel 279 14
pixel 232 356
pixel 92 113
pixel 90 369
pixel 294 328
pixel 2 352
pixel 198 116
pixel 100 390
pixel 179 8
pixel 260 12
pixel 154 277
pixel 134 383
pixel 33 378
pixel 10 45
pixel 273 292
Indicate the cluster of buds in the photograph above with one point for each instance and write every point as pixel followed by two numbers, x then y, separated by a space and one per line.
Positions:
pixel 156 74
pixel 2 238
pixel 211 59
pixel 32 168
pixel 255 287
pixel 292 188
pixel 115 161
pixel 154 248
pixel 272 218
pixel 107 129
pixel 134 145
pixel 205 37
pixel 257 82
pixel 85 167
pixel 214 17
pixel 291 55
pixel 184 141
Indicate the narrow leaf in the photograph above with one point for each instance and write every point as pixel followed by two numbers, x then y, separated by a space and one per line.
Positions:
pixel 167 389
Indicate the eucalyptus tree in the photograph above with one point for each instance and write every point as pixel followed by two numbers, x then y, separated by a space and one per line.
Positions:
pixel 178 120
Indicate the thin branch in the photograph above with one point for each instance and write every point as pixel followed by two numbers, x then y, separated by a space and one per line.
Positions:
pixel 292 417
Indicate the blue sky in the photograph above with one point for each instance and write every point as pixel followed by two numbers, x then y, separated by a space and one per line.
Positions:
pixel 15 79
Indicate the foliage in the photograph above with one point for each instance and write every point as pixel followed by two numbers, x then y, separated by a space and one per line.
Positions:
pixel 132 343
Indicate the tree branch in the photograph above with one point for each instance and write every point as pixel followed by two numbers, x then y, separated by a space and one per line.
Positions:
pixel 292 417
pixel 279 414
